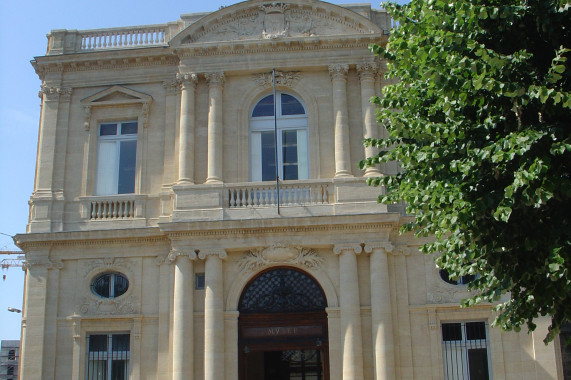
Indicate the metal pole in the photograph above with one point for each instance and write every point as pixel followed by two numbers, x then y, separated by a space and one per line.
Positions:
pixel 276 139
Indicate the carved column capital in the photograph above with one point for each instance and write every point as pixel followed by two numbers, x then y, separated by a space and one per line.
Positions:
pixel 53 93
pixel 187 80
pixel 172 87
pixel 338 71
pixel 384 245
pixel 220 252
pixel 216 79
pixel 342 247
pixel 174 254
pixel 367 70
pixel 401 250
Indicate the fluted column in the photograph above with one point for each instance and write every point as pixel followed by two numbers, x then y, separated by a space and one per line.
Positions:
pixel 213 313
pixel 350 307
pixel 342 147
pixel 381 316
pixel 367 74
pixel 183 316
pixel 186 140
pixel 215 125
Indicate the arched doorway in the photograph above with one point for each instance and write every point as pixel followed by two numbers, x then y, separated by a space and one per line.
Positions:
pixel 283 327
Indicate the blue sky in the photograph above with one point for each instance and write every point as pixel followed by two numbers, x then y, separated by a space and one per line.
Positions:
pixel 23 28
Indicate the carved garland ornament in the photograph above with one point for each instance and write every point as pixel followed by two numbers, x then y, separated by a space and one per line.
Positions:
pixel 280 253
pixel 283 78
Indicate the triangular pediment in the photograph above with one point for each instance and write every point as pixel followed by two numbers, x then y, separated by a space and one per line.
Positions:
pixel 117 95
pixel 263 20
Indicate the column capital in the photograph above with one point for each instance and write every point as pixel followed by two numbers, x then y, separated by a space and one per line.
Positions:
pixel 342 247
pixel 384 245
pixel 174 254
pixel 338 71
pixel 172 86
pixel 220 252
pixel 216 79
pixel 367 70
pixel 53 93
pixel 187 80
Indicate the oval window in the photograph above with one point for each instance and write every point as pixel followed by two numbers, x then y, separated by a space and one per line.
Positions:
pixel 110 285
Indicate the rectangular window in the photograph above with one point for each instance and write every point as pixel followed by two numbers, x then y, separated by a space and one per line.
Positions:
pixel 108 356
pixel 465 351
pixel 199 281
pixel 116 158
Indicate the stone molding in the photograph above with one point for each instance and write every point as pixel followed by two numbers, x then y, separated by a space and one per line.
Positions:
pixel 220 252
pixel 38 263
pixel 338 71
pixel 283 78
pixel 342 247
pixel 280 253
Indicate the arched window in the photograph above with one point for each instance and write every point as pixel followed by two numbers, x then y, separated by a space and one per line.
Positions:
pixel 292 149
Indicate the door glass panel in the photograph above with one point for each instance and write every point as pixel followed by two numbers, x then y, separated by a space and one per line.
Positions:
pixel 285 365
pixel 127 162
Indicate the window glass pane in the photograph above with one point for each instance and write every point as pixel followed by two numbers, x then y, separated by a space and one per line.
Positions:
pixel 478 364
pixel 291 106
pixel 97 343
pixel 290 171
pixel 268 156
pixel 120 342
pixel 129 128
pixel 265 107
pixel 121 284
pixel 97 370
pixel 107 129
pixel 127 160
pixel 302 156
pixel 106 182
pixel 100 286
pixel 119 369
pixel 475 330
pixel 451 331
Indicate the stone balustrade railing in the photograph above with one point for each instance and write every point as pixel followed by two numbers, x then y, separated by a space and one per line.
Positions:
pixel 291 193
pixel 113 207
pixel 122 38
pixel 64 41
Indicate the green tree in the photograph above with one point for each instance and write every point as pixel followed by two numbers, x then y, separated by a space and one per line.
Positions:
pixel 479 120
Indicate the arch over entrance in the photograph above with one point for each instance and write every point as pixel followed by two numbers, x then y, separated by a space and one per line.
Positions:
pixel 283 327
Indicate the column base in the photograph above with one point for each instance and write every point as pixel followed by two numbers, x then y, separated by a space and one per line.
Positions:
pixel 214 180
pixel 373 172
pixel 343 173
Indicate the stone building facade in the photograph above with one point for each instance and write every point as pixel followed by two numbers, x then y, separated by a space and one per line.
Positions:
pixel 155 247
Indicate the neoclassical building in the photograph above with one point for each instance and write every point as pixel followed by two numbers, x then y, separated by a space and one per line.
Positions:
pixel 161 246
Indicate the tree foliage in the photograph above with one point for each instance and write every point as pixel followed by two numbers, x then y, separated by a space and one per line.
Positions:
pixel 480 121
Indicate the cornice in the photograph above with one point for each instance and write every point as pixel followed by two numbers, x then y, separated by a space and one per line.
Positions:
pixel 95 61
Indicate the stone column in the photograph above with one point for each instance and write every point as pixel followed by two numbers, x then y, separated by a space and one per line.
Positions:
pixel 381 315
pixel 183 316
pixel 215 127
pixel 350 306
pixel 342 146
pixel 213 313
pixel 367 74
pixel 186 139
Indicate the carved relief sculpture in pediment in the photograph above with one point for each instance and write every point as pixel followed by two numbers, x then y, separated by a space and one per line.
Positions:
pixel 275 20
pixel 280 253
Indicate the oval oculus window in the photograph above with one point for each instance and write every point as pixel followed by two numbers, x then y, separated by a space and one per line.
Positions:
pixel 110 285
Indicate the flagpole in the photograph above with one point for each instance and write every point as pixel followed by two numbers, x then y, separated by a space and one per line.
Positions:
pixel 276 140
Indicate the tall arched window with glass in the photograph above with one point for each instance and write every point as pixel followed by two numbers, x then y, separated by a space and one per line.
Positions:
pixel 292 148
